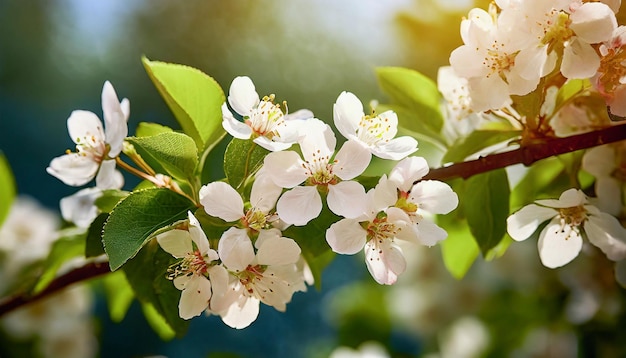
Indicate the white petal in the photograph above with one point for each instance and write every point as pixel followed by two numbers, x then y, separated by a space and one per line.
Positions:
pixel 605 232
pixel 80 207
pixel 396 149
pixel 429 233
pixel 195 297
pixel 525 222
pixel 73 169
pixel 299 205
pixel 488 93
pixel 242 95
pixel 235 249
pixel 272 146
pixel 407 171
pixel 384 195
pixel 347 113
pixel 125 104
pixel 599 161
pixel 234 127
pixel 557 246
pixel 347 199
pixel 197 235
pixel 241 315
pixel 85 124
pixel 115 120
pixel 222 296
pixel 285 168
pixel 580 60
pixel 108 176
pixel 264 193
pixel 346 237
pixel 175 242
pixel 568 199
pixel 180 282
pixel 434 197
pixel 318 142
pixel 351 160
pixel 221 200
pixel 609 192
pixel 593 22
pixel 385 261
pixel 278 251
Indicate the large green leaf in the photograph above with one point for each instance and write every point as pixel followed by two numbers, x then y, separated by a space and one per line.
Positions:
pixel 133 221
pixel 194 97
pixel 242 159
pixel 415 92
pixel 147 129
pixel 175 152
pixel 93 244
pixel 476 141
pixel 7 188
pixel 486 207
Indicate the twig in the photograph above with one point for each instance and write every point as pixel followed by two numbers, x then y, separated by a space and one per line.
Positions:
pixel 529 154
pixel 526 155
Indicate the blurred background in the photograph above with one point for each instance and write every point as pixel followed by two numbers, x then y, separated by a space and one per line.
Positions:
pixel 55 56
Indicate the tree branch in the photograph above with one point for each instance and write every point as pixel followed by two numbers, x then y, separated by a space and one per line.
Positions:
pixel 529 154
pixel 526 155
pixel 83 273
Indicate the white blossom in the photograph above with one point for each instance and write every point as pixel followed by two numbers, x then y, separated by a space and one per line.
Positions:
pixel 376 131
pixel 569 216
pixel 96 146
pixel 80 208
pixel 607 163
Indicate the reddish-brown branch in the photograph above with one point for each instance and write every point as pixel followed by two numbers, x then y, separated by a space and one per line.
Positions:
pixel 526 155
pixel 83 273
pixel 529 153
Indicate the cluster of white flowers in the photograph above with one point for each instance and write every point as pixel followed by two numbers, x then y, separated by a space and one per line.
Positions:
pixel 254 262
pixel 510 48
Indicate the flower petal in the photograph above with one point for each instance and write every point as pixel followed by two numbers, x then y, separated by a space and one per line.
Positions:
pixel 175 242
pixel 525 222
pixel 407 171
pixel 605 232
pixel 234 127
pixel 285 168
pixel 271 145
pixel 385 261
pixel 347 113
pixel 242 95
pixel 195 297
pixel 593 22
pixel 235 249
pixel 558 245
pixel 85 124
pixel 265 192
pixel 396 149
pixel 80 207
pixel 568 199
pixel 429 233
pixel 351 160
pixel 73 169
pixel 299 205
pixel 580 60
pixel 115 120
pixel 434 196
pixel 198 236
pixel 346 237
pixel 221 200
pixel 108 177
pixel 278 251
pixel 241 314
pixel 347 199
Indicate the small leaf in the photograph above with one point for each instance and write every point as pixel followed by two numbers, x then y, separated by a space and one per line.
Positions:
pixel 157 322
pixel 475 141
pixel 175 152
pixel 194 98
pixel 148 129
pixel 70 245
pixel 415 92
pixel 486 207
pixel 119 295
pixel 7 188
pixel 136 217
pixel 241 160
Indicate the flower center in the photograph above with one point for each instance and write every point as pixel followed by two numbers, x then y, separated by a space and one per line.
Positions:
pixel 320 170
pixel 497 60
pixel 373 129
pixel 403 203
pixel 192 264
pixel 380 229
pixel 555 28
pixel 573 216
pixel 256 220
pixel 266 118
pixel 90 146
pixel 612 69
pixel 250 278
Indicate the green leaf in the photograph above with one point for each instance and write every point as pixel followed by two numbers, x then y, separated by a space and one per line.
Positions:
pixel 241 160
pixel 70 245
pixel 415 92
pixel 119 295
pixel 175 152
pixel 476 141
pixel 93 245
pixel 486 207
pixel 148 129
pixel 459 249
pixel 109 198
pixel 7 188
pixel 538 182
pixel 134 220
pixel 194 97
pixel 157 322
pixel 147 275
